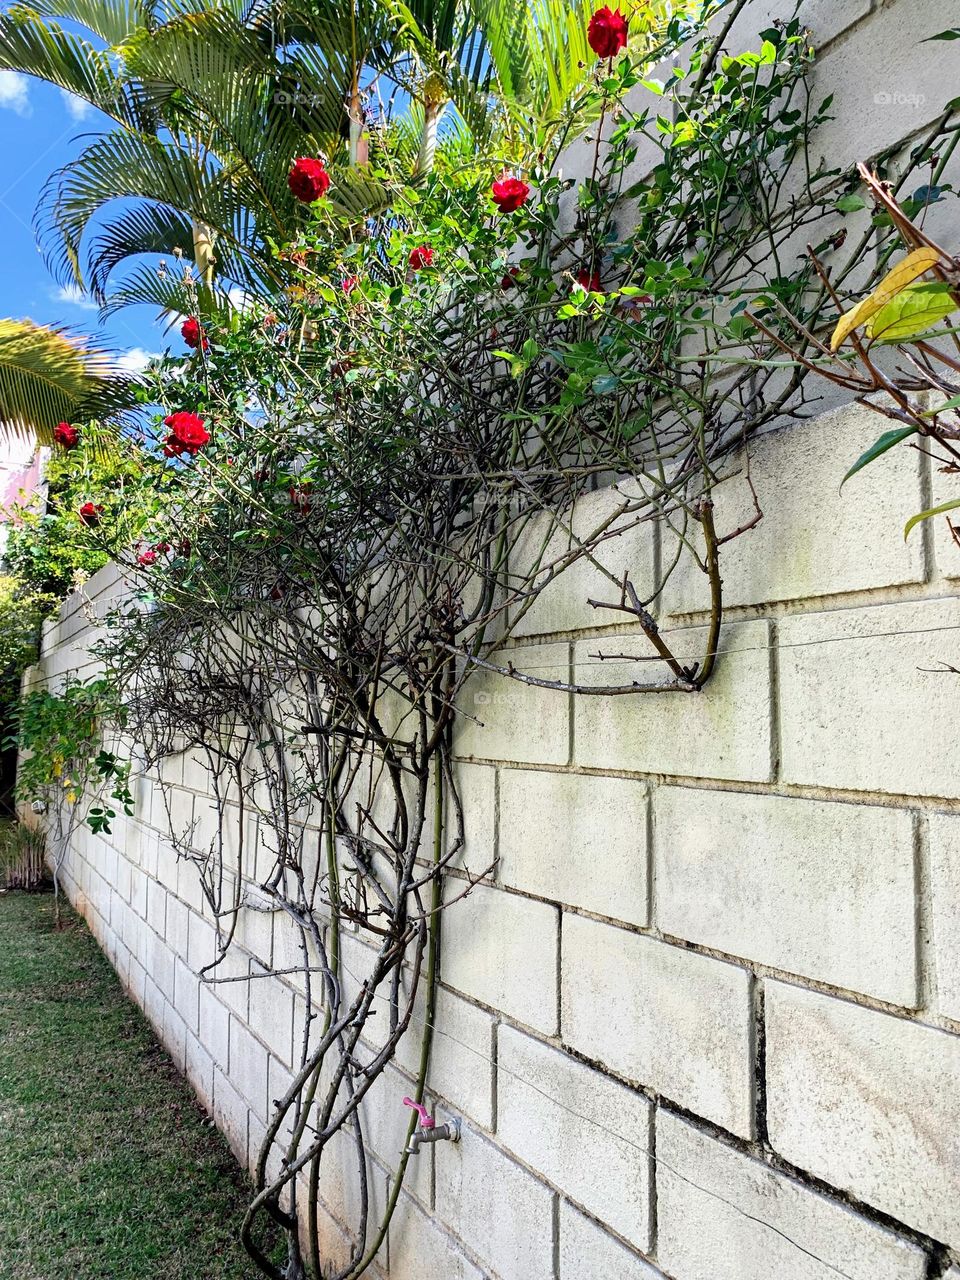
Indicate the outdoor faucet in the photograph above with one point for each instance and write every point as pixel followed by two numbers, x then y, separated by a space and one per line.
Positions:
pixel 428 1130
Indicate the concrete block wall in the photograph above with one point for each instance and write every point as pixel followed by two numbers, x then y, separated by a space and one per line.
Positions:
pixel 704 1017
pixel 702 1022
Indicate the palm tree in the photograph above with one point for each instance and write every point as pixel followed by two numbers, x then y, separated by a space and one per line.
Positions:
pixel 210 106
pixel 211 103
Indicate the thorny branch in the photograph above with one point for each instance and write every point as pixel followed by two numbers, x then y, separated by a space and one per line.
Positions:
pixel 317 645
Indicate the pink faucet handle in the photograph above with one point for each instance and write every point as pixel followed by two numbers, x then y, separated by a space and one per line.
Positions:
pixel 426 1119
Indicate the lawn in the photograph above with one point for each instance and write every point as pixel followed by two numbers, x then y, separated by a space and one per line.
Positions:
pixel 109 1169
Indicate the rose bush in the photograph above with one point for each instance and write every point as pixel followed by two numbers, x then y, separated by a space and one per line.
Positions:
pixel 382 483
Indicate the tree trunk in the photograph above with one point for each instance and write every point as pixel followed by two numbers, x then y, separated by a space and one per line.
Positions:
pixel 204 237
pixel 359 146
pixel 428 139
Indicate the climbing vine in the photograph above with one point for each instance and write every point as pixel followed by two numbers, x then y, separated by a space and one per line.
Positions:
pixel 64 764
pixel 362 488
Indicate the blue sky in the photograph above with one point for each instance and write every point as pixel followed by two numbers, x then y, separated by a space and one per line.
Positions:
pixel 40 129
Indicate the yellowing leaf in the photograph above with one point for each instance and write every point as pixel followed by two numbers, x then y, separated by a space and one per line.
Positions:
pixel 684 132
pixel 913 311
pixel 897 279
pixel 926 515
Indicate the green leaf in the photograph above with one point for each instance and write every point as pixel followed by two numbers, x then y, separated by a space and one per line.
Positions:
pixel 885 442
pixel 926 515
pixel 530 350
pixel 740 326
pixel 685 132
pixel 951 33
pixel 768 53
pixel 952 403
pixel 850 204
pixel 605 383
pixel 913 311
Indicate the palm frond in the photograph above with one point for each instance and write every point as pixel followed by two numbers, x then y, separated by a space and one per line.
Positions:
pixel 258 114
pixel 49 376
pixel 159 231
pixel 144 228
pixel 356 194
pixel 541 58
pixel 45 50
pixel 128 165
pixel 171 296
pixel 114 21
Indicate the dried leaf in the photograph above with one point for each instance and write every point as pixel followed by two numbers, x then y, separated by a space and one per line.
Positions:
pixel 897 279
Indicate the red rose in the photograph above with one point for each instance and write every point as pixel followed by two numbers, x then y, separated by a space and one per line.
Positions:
pixel 607 33
pixel 90 513
pixel 420 257
pixel 509 280
pixel 589 280
pixel 509 194
pixel 162 547
pixel 65 435
pixel 192 334
pixel 147 558
pixel 187 434
pixel 308 179
pixel 300 499
pixel 350 283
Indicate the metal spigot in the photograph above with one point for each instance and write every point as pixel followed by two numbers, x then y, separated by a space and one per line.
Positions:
pixel 428 1130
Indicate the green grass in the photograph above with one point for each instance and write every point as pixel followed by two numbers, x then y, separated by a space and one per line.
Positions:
pixel 109 1169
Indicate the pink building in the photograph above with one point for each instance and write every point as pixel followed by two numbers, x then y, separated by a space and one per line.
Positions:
pixel 22 467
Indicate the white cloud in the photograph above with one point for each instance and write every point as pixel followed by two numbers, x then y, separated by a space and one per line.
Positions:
pixel 15 93
pixel 77 108
pixel 74 296
pixel 240 299
pixel 136 360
